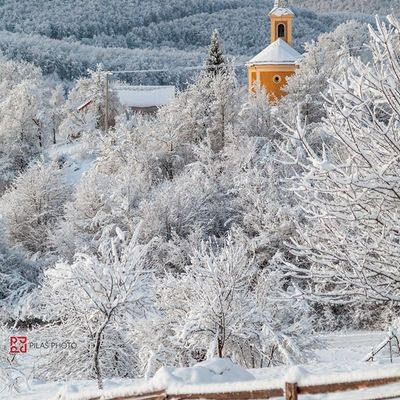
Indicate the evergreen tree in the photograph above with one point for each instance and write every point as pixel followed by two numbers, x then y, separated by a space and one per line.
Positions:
pixel 215 62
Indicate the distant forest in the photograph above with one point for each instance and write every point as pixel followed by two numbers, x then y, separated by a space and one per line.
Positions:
pixel 65 38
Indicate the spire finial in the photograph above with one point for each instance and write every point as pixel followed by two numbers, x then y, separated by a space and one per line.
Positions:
pixel 279 4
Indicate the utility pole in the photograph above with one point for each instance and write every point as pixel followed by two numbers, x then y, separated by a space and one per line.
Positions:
pixel 107 97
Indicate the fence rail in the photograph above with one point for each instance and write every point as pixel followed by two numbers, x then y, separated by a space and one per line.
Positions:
pixel 290 391
pixel 390 341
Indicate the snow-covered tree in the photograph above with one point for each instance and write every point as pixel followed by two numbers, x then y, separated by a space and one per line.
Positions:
pixel 174 208
pixel 206 113
pixel 107 196
pixel 351 191
pixel 323 60
pixel 95 302
pixel 256 118
pixel 85 106
pixel 24 118
pixel 215 62
pixel 267 209
pixel 221 307
pixel 31 206
pixel 56 103
pixel 222 98
pixel 85 217
pixel 12 73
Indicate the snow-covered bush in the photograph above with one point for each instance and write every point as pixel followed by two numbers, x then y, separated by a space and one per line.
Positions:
pixel 18 277
pixel 174 208
pixel 13 378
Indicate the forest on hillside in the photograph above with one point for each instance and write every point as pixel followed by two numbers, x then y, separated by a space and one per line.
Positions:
pixel 381 7
pixel 65 38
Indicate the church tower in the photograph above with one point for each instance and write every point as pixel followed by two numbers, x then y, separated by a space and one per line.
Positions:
pixel 281 22
pixel 279 60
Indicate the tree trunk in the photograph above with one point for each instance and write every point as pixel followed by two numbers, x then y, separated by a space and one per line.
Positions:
pixel 40 133
pixel 220 347
pixel 97 368
pixel 96 355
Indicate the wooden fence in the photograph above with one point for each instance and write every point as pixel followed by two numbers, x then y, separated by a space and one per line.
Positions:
pixel 391 341
pixel 291 391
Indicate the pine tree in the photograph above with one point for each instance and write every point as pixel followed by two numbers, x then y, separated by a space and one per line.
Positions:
pixel 215 62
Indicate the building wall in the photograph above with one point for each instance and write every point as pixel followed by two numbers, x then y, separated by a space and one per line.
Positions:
pixel 272 77
pixel 288 22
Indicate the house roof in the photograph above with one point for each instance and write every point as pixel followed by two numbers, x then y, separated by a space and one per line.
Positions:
pixel 278 52
pixel 145 96
pixel 84 105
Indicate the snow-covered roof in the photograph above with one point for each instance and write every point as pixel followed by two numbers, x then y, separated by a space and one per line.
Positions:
pixel 84 105
pixel 280 9
pixel 280 12
pixel 145 96
pixel 278 52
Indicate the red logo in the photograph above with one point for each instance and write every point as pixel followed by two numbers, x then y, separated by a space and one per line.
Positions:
pixel 18 344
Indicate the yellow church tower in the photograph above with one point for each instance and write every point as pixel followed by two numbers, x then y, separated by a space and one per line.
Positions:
pixel 279 60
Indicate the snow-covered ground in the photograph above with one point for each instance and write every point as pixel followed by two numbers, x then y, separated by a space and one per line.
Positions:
pixel 76 157
pixel 339 357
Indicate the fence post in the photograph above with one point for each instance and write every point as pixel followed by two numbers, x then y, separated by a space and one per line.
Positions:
pixel 291 391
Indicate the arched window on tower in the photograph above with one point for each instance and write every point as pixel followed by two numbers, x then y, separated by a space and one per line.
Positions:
pixel 281 31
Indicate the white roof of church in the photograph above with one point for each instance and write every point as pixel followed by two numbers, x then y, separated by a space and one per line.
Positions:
pixel 278 52
pixel 281 11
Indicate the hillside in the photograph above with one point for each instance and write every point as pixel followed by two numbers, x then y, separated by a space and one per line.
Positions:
pixel 70 36
pixel 70 60
pixel 94 18
pixel 381 7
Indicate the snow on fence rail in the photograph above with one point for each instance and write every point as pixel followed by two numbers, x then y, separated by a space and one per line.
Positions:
pixel 386 384
pixel 387 342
